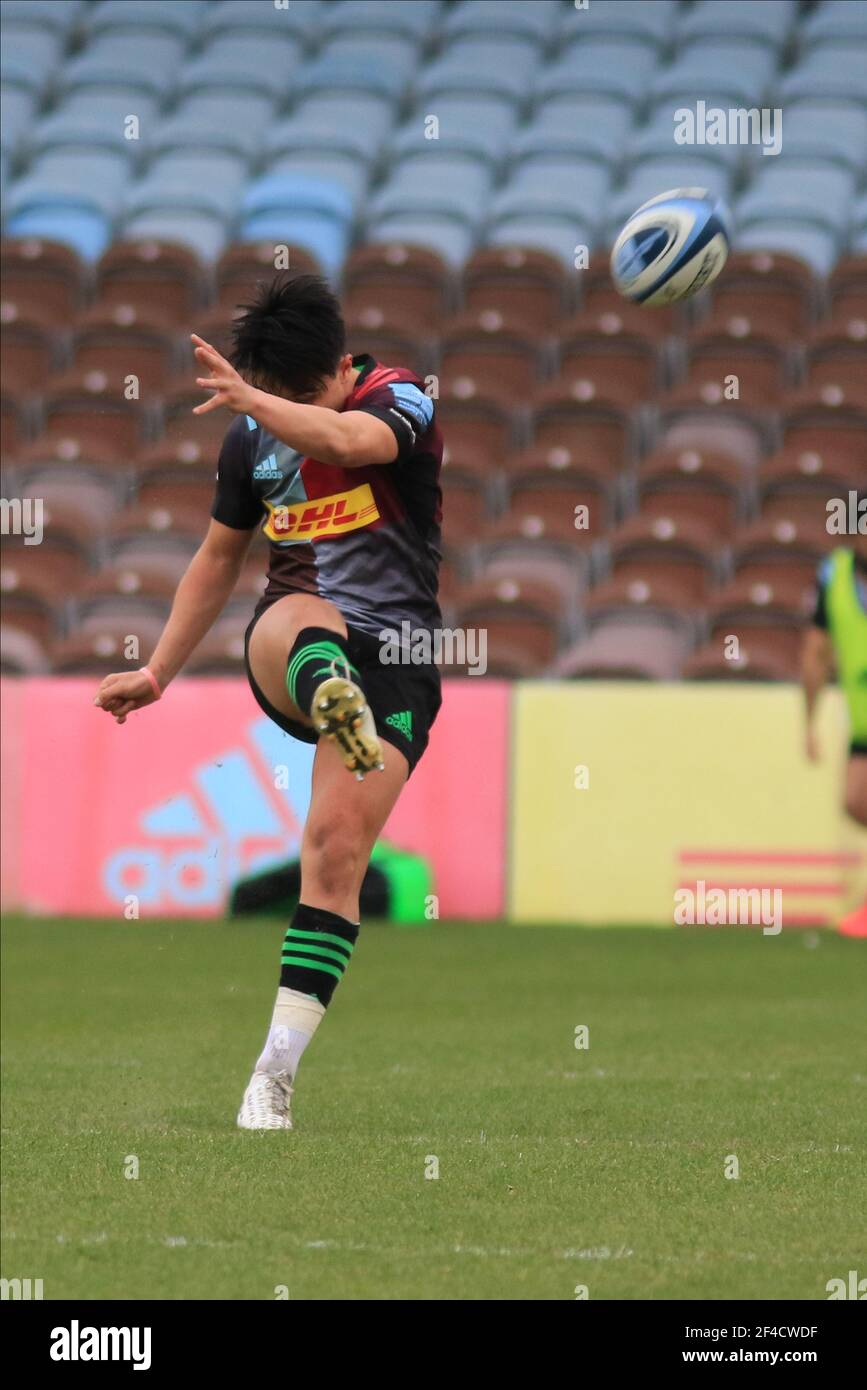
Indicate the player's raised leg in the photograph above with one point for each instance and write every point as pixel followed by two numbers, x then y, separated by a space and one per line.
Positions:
pixel 299 658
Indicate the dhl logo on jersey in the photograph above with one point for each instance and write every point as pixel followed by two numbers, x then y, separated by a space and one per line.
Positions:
pixel 321 517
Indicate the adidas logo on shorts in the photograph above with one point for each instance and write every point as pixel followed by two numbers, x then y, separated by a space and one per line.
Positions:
pixel 402 722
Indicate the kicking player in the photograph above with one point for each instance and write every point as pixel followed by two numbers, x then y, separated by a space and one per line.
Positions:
pixel 838 637
pixel 338 458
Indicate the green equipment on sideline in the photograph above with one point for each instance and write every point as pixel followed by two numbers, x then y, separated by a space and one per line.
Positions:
pixel 397 886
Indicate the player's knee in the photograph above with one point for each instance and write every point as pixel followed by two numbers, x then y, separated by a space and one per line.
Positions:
pixel 334 855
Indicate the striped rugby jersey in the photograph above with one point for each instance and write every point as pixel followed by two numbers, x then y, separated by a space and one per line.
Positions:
pixel 366 538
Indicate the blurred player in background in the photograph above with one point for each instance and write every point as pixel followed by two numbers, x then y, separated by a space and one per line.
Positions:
pixel 837 640
pixel 338 458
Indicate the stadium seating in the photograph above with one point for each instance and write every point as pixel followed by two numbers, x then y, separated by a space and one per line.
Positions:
pixel 444 164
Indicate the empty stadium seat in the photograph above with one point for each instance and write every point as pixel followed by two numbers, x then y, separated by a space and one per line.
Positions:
pixel 29 349
pixel 156 279
pixel 628 646
pixel 481 354
pixel 520 283
pixel 42 276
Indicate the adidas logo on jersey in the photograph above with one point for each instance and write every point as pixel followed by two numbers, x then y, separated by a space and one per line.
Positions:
pixel 267 470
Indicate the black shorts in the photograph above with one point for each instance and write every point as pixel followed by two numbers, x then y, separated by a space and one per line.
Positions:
pixel 404 699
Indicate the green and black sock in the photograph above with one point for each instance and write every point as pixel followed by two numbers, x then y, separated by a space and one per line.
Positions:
pixel 316 951
pixel 312 660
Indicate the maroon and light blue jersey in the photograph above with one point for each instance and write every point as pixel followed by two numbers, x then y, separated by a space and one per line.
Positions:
pixel 366 538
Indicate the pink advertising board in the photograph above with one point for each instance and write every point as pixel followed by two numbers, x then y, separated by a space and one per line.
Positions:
pixel 183 798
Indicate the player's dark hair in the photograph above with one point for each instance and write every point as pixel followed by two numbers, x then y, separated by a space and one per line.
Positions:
pixel 291 338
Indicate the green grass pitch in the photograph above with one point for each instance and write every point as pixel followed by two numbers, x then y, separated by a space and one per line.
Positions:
pixel 558 1167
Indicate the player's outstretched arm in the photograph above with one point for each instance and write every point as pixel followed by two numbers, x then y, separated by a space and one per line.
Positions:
pixel 200 598
pixel 817 664
pixel 351 439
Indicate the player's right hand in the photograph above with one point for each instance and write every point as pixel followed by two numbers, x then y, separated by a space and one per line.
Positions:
pixel 124 692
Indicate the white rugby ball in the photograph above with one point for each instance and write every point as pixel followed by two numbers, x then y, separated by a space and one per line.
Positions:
pixel 674 245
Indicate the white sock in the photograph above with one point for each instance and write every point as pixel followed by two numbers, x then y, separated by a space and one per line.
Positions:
pixel 295 1019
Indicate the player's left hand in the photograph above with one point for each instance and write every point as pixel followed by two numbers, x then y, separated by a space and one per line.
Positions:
pixel 231 390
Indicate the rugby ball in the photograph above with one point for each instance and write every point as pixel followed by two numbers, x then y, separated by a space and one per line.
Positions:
pixel 674 245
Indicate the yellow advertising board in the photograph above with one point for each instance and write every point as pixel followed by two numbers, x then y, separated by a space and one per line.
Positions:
pixel 624 792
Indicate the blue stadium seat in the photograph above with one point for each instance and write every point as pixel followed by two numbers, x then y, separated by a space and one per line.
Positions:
pixel 359 122
pixel 365 109
pixel 348 72
pixel 557 235
pixel 596 127
pixel 503 67
pixel 74 222
pixel 60 16
pixel 413 21
pixel 859 214
pixel 450 237
pixel 620 67
pixel 17 108
pixel 313 159
pixel 436 182
pixel 562 185
pixel 650 21
pixel 219 173
pixel 400 54
pixel 816 246
pixel 828 130
pixel 149 63
pixel 797 188
pixel 469 123
pixel 173 185
pixel 327 241
pixel 276 194
pixel 234 121
pixel 482 18
pixel 29 55
pixel 742 70
pixel 260 63
pixel 765 21
pixel 300 134
pixel 106 108
pixel 201 232
pixel 834 19
pixel 178 17
pixel 99 127
pixel 95 176
pixel 828 71
pixel 299 210
pixel 655 137
pixel 300 18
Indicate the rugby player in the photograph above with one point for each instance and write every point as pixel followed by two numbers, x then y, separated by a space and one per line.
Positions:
pixel 338 459
pixel 838 638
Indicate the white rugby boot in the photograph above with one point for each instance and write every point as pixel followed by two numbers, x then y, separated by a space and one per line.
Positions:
pixel 266 1103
